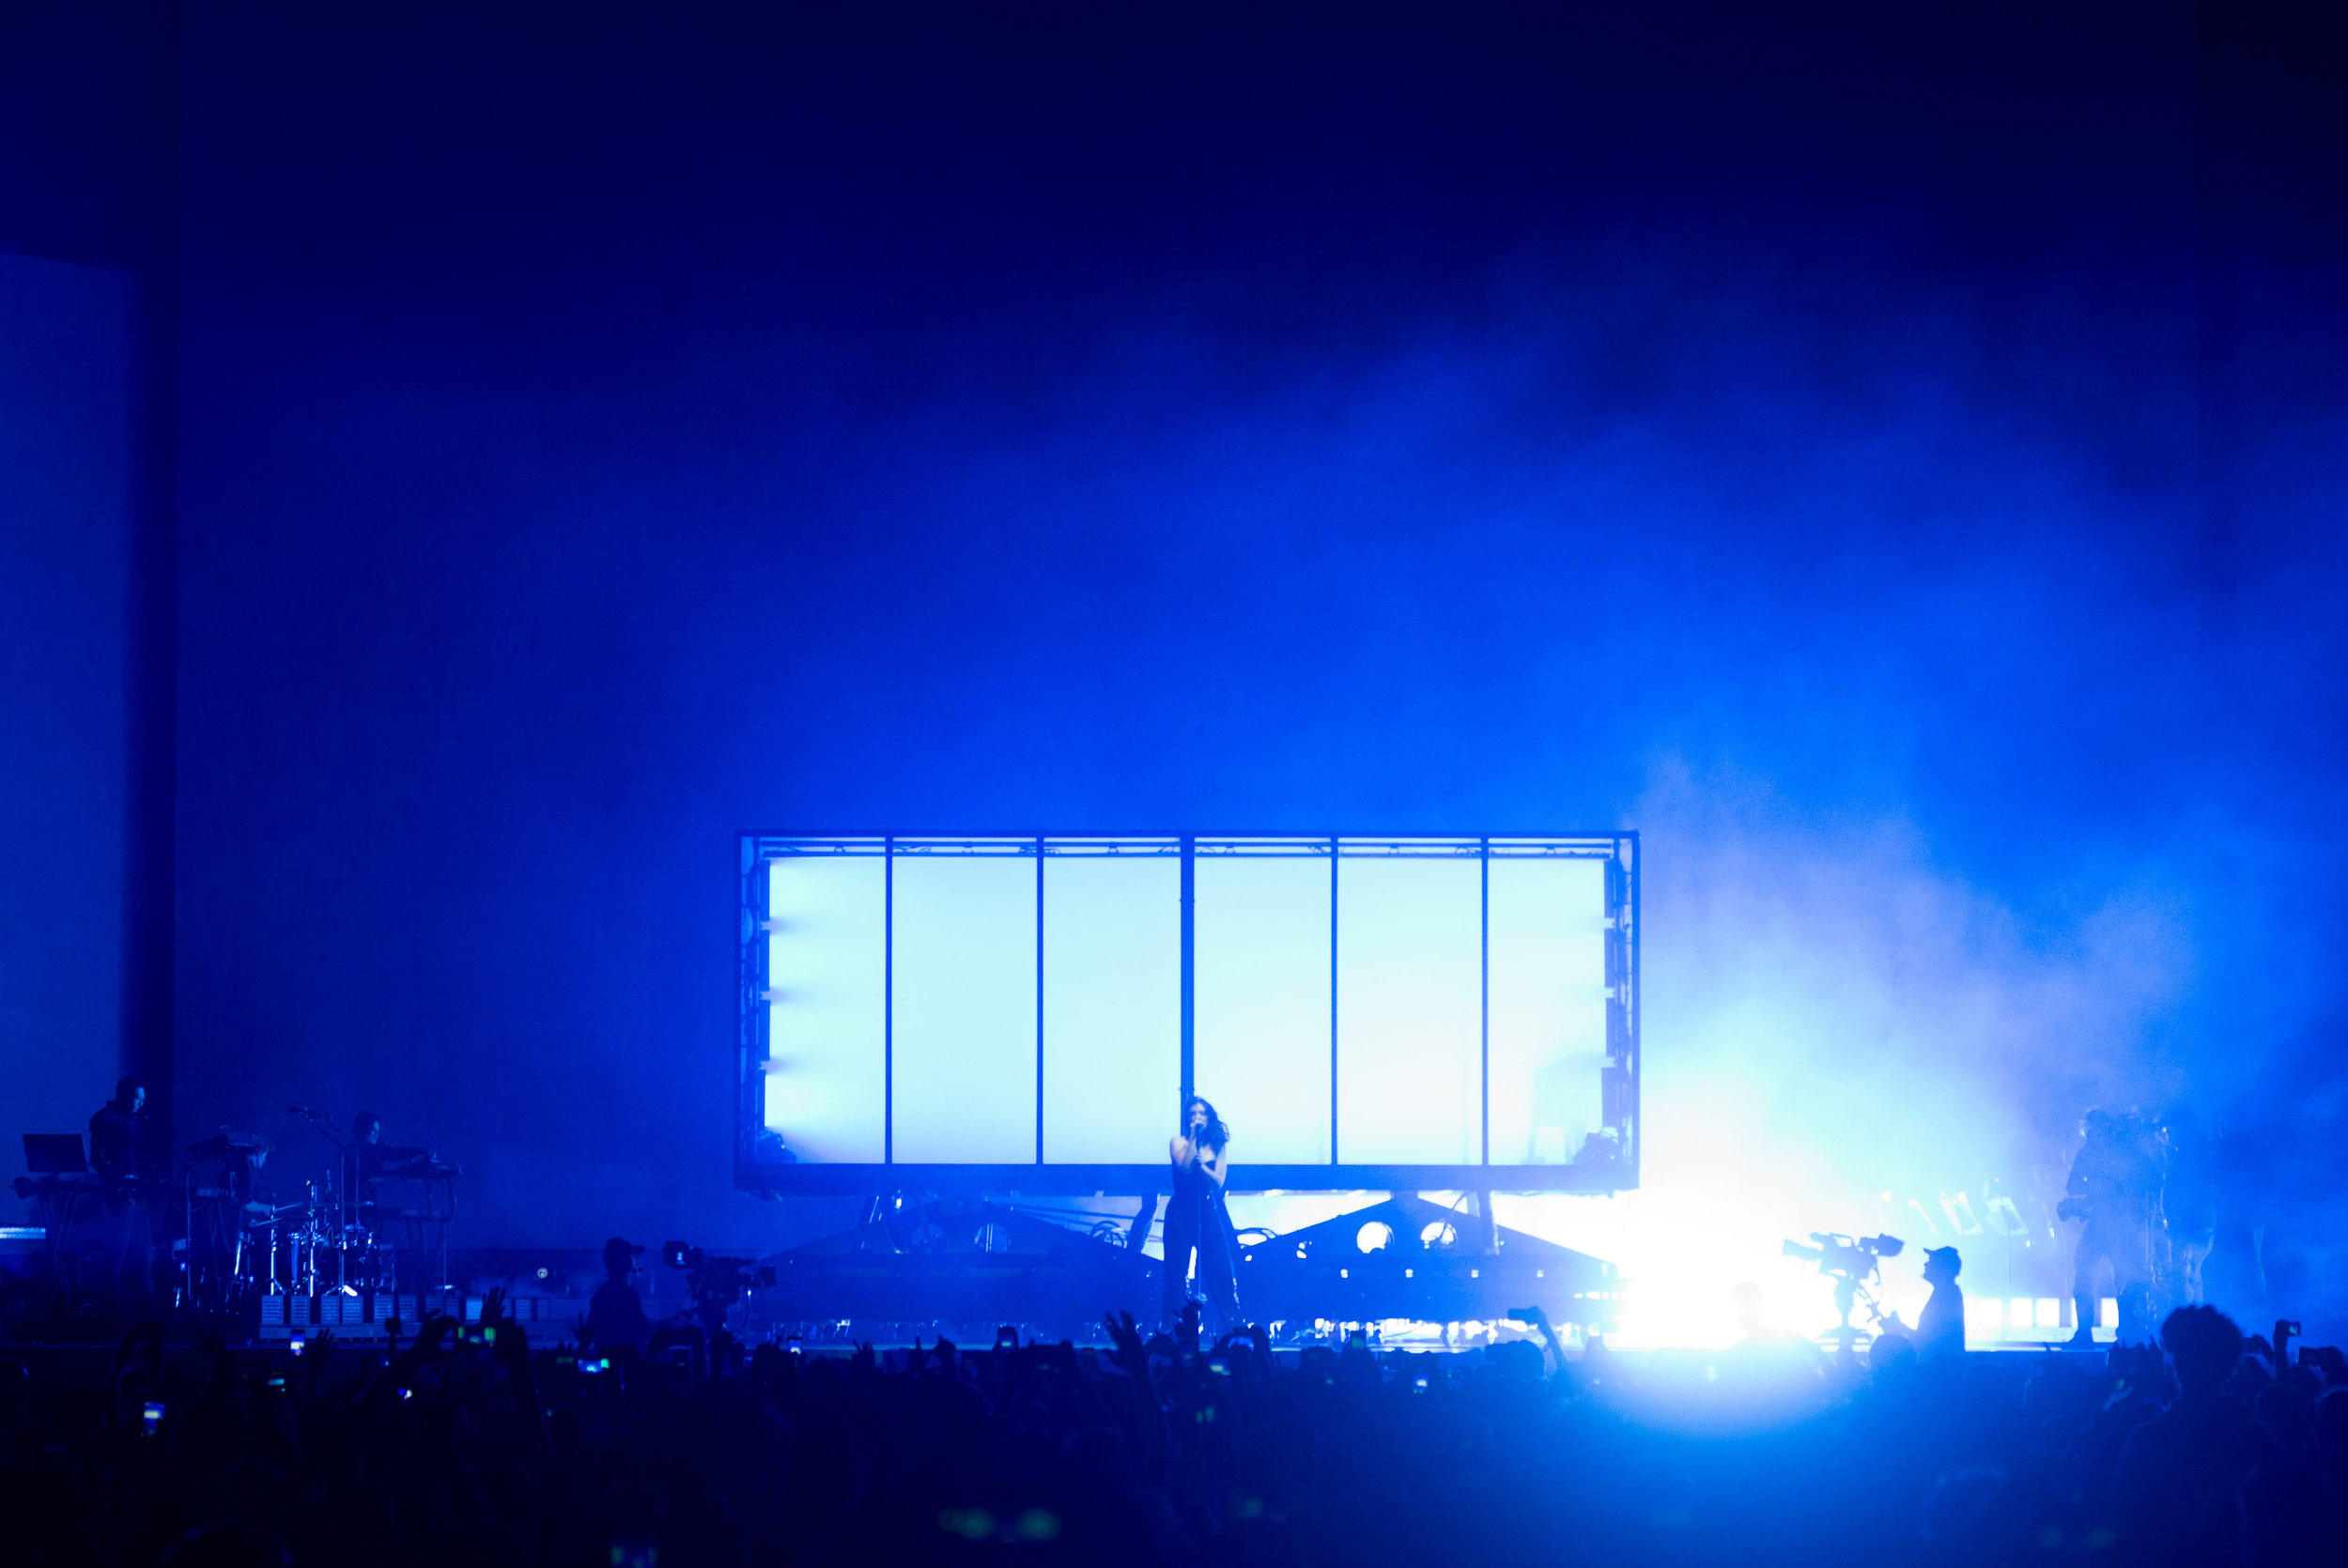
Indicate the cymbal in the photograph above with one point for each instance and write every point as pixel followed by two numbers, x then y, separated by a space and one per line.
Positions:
pixel 229 1144
pixel 422 1170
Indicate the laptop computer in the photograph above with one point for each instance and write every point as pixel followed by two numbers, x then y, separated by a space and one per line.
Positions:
pixel 54 1154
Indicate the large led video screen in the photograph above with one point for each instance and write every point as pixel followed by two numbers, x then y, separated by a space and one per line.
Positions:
pixel 1029 1014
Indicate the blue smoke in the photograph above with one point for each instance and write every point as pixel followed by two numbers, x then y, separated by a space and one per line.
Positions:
pixel 1888 550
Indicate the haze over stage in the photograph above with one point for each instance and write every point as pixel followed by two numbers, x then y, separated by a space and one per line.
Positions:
pixel 470 467
pixel 463 468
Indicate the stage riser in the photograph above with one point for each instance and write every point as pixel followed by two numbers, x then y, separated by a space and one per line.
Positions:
pixel 1302 1293
pixel 368 1315
pixel 918 1290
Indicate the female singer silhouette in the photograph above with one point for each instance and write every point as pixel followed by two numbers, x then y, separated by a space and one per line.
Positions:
pixel 1196 1220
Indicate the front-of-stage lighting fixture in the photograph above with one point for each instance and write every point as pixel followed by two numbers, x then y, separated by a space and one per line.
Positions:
pixel 1374 1236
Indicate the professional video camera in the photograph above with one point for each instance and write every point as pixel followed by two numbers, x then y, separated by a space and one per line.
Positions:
pixel 1845 1256
pixel 1854 1263
pixel 715 1284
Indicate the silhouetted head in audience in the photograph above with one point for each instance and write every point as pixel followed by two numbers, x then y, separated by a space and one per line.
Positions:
pixel 1515 1360
pixel 619 1256
pixel 1749 1317
pixel 2205 1347
pixel 2250 1377
pixel 2329 1420
pixel 1942 1264
pixel 1890 1354
pixel 2287 1413
pixel 225 1546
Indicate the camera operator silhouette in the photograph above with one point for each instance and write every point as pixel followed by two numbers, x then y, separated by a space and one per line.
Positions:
pixel 615 1314
pixel 1940 1327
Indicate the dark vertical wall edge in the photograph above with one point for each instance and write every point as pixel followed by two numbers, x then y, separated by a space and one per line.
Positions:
pixel 152 664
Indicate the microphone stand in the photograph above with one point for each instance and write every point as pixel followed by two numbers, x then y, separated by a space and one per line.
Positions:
pixel 343 1177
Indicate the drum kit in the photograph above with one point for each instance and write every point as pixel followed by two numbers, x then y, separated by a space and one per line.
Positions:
pixel 333 1237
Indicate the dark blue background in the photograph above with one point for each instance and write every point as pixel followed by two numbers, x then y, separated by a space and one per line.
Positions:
pixel 64 358
pixel 605 429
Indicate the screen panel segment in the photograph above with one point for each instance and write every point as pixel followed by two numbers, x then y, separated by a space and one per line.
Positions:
pixel 827 941
pixel 1409 1008
pixel 1262 1047
pixel 964 997
pixel 1548 978
pixel 1112 1006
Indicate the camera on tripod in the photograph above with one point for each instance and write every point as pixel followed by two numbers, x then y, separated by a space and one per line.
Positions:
pixel 1853 1263
pixel 1846 1257
pixel 715 1284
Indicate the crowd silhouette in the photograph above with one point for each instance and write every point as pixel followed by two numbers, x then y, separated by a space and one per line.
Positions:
pixel 468 1445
